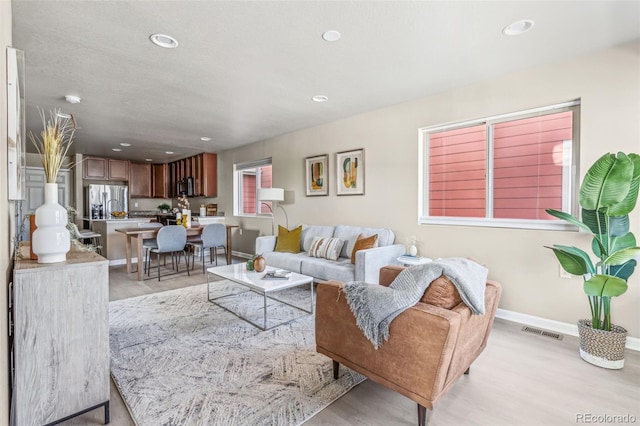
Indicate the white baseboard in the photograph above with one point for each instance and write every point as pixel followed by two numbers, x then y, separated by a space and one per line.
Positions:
pixel 115 262
pixel 633 343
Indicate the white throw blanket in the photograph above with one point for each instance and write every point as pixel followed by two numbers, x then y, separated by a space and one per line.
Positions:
pixel 375 306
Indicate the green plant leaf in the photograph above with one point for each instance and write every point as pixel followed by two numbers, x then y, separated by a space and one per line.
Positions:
pixel 607 182
pixel 623 271
pixel 600 243
pixel 597 223
pixel 622 256
pixel 605 286
pixel 573 260
pixel 568 218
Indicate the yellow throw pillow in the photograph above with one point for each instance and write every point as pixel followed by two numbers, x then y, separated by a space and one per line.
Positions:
pixel 288 241
pixel 363 243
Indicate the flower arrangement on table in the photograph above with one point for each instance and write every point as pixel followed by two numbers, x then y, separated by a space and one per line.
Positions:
pixel 54 142
pixel 183 203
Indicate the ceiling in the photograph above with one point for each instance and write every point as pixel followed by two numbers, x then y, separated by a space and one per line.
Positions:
pixel 246 71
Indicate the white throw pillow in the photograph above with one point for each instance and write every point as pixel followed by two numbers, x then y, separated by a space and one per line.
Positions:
pixel 327 248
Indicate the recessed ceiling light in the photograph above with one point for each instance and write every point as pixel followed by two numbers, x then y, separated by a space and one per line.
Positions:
pixel 205 139
pixel 124 144
pixel 116 149
pixel 164 40
pixel 72 99
pixel 148 159
pixel 331 35
pixel 168 152
pixel 320 98
pixel 518 27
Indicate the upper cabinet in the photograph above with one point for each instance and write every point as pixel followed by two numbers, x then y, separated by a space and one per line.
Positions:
pixel 140 180
pixel 159 181
pixel 201 170
pixel 97 168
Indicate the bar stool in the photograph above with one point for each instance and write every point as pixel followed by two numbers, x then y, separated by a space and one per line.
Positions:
pixel 87 234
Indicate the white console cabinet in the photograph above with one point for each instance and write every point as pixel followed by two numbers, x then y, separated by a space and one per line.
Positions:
pixel 60 338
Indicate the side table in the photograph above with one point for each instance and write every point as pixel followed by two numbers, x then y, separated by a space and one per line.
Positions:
pixel 408 260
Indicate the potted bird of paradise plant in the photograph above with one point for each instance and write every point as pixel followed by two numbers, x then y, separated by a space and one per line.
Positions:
pixel 608 193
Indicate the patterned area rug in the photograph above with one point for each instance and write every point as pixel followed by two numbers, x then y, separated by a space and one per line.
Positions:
pixel 179 360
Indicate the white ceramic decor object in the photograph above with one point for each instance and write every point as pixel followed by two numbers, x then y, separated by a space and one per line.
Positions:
pixel 51 240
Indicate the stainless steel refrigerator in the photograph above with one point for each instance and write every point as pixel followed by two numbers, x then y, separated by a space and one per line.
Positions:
pixel 101 200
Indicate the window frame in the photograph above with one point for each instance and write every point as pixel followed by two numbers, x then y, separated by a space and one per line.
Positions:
pixel 570 173
pixel 238 198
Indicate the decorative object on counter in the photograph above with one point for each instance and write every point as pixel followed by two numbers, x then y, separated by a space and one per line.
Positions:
pixel 203 210
pixel 51 239
pixel 259 263
pixel 118 215
pixel 164 207
pixel 212 210
pixel 412 245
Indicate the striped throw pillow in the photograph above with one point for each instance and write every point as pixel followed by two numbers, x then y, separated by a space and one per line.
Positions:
pixel 327 248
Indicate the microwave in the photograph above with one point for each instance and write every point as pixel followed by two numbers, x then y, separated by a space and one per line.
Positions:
pixel 185 187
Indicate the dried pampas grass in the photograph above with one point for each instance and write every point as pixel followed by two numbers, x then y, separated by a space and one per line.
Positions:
pixel 54 141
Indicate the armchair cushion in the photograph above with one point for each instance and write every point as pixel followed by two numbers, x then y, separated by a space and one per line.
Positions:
pixel 442 293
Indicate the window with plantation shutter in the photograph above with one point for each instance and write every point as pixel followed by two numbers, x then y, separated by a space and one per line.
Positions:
pixel 502 170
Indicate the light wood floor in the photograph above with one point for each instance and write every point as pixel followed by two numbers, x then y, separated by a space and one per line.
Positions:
pixel 519 379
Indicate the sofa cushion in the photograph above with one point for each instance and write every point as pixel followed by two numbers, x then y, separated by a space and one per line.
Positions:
pixel 442 293
pixel 323 269
pixel 363 243
pixel 310 231
pixel 327 248
pixel 288 240
pixel 350 234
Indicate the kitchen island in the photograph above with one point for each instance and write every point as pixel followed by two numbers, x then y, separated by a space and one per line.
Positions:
pixel 114 243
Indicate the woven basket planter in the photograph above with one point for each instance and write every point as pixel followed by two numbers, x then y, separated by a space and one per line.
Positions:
pixel 600 347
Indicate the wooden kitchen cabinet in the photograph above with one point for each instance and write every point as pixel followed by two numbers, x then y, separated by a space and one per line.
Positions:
pixel 140 180
pixel 97 168
pixel 118 169
pixel 159 181
pixel 94 168
pixel 209 174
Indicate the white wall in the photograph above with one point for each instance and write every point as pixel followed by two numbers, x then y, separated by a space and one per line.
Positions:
pixel 608 83
pixel 6 214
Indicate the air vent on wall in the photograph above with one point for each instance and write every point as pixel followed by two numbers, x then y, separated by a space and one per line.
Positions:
pixel 540 332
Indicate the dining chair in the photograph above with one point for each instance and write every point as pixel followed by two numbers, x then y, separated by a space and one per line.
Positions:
pixel 87 234
pixel 148 243
pixel 213 236
pixel 171 239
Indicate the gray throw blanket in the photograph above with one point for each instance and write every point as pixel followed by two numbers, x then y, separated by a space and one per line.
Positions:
pixel 375 306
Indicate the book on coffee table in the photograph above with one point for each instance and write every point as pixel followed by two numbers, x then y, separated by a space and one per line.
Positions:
pixel 280 274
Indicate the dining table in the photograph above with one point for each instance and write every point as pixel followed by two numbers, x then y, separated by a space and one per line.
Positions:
pixel 140 233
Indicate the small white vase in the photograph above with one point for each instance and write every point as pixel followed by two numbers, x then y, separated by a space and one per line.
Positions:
pixel 413 250
pixel 51 240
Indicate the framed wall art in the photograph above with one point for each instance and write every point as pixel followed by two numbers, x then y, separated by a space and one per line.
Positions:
pixel 316 175
pixel 16 141
pixel 350 172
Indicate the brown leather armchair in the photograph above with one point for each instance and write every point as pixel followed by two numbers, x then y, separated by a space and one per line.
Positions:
pixel 431 344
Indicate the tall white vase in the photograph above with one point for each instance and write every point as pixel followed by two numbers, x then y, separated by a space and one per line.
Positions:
pixel 51 240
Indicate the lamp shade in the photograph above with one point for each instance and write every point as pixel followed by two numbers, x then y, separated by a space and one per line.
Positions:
pixel 271 194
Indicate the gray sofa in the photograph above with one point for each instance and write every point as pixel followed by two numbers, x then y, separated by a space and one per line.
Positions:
pixel 368 262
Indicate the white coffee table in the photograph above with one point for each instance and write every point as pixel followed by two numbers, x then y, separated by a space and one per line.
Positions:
pixel 238 273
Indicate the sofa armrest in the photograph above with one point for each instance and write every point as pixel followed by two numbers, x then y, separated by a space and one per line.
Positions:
pixel 414 361
pixel 369 262
pixel 265 244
